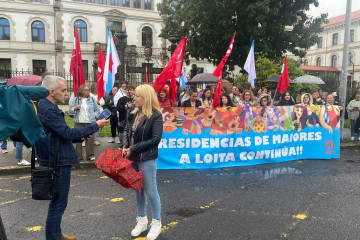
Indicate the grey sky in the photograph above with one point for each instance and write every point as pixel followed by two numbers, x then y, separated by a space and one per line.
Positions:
pixel 333 7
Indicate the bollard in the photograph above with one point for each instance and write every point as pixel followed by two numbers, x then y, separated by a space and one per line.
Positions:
pixel 2 230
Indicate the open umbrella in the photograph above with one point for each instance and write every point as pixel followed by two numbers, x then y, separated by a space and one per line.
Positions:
pixel 309 80
pixel 113 165
pixel 275 79
pixel 204 78
pixel 24 80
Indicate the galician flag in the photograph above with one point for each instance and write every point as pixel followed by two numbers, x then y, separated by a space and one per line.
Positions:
pixel 111 64
pixel 250 66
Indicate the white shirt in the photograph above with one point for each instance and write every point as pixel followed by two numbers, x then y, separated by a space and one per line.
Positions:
pixel 121 93
pixel 84 113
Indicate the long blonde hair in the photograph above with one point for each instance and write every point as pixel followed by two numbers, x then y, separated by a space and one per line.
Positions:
pixel 150 100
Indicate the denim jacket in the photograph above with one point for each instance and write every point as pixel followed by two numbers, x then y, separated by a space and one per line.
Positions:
pixel 52 118
pixel 93 108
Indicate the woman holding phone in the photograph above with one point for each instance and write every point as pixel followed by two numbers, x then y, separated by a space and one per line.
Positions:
pixel 142 135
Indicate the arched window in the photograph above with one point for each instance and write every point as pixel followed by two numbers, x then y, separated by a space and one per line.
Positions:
pixel 38 31
pixel 351 59
pixel 306 62
pixel 334 61
pixel 146 36
pixel 4 29
pixel 318 61
pixel 82 30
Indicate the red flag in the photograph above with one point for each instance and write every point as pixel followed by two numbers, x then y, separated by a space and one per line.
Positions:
pixel 172 70
pixel 218 73
pixel 147 77
pixel 76 65
pixel 284 81
pixel 100 74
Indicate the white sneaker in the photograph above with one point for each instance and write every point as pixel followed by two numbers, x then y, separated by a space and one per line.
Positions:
pixel 4 151
pixel 111 140
pixel 118 142
pixel 352 138
pixel 359 138
pixel 24 163
pixel 155 229
pixel 96 143
pixel 141 226
pixel 83 144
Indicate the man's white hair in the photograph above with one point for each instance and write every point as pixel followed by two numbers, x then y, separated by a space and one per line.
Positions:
pixel 52 82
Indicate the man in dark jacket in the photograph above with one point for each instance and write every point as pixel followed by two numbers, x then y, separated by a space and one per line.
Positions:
pixel 52 119
pixel 124 105
pixel 110 104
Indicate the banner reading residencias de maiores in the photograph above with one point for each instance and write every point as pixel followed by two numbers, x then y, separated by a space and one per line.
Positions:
pixel 196 138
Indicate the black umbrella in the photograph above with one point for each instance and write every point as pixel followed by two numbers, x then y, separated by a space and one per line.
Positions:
pixel 204 78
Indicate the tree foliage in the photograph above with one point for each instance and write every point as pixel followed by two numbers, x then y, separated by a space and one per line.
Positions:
pixel 210 24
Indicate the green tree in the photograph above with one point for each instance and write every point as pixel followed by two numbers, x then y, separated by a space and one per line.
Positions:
pixel 210 24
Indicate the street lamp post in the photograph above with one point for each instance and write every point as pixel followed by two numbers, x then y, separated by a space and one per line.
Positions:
pixel 174 39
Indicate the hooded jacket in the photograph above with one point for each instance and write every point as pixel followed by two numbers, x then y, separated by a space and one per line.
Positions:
pixel 310 99
pixel 18 114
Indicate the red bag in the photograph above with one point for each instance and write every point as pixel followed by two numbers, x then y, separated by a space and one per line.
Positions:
pixel 113 165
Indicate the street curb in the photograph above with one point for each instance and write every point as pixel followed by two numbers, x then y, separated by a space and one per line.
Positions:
pixel 27 169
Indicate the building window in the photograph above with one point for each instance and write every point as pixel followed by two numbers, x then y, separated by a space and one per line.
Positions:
pixel 114 2
pixel 36 0
pixel 85 66
pixel 102 1
pixel 334 61
pixel 306 62
pixel 352 35
pixel 318 61
pixel 126 3
pixel 82 30
pixel 320 42
pixel 137 4
pixel 39 67
pixel 147 4
pixel 5 68
pixel 351 59
pixel 38 31
pixel 91 1
pixel 4 29
pixel 335 38
pixel 146 36
pixel 115 27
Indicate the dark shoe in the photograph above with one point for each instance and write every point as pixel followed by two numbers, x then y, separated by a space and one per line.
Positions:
pixel 67 238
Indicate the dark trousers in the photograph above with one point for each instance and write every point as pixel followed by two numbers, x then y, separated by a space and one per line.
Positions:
pixel 89 149
pixel 113 124
pixel 58 205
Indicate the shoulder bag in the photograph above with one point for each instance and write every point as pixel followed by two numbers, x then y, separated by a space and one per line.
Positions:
pixel 44 179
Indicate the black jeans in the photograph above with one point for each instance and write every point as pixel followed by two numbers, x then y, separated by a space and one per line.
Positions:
pixel 113 124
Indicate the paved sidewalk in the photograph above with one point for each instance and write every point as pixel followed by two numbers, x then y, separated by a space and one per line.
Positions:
pixel 8 164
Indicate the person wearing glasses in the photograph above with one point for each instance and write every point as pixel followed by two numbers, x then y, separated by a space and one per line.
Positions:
pixel 86 110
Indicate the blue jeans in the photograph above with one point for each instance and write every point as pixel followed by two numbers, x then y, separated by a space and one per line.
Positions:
pixel 353 127
pixel 58 205
pixel 4 144
pixel 149 170
pixel 19 151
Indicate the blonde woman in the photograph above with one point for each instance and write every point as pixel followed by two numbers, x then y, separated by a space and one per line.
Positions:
pixel 142 135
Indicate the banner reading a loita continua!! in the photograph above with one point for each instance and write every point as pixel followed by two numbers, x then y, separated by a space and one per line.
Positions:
pixel 239 136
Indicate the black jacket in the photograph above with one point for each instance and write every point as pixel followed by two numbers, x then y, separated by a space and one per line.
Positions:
pixel 147 137
pixel 188 104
